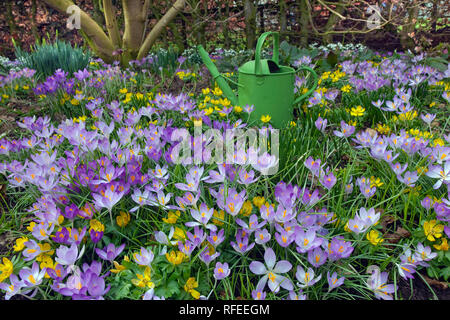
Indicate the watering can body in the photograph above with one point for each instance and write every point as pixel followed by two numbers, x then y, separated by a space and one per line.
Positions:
pixel 264 84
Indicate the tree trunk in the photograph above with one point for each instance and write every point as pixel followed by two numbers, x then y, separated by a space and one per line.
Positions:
pixel 11 22
pixel 133 12
pixel 304 14
pixel 177 7
pixel 283 21
pixel 111 24
pixel 331 23
pixel 34 29
pixel 97 15
pixel 250 23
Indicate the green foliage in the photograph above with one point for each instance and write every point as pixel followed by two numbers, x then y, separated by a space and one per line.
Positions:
pixel 46 58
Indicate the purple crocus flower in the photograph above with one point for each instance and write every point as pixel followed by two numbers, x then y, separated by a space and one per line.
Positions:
pixel 32 277
pixel 258 293
pixel 15 286
pixel 334 281
pixel 338 248
pixel 440 173
pixel 307 240
pixel 32 250
pixel 252 224
pixel 306 279
pixel 202 217
pixel 96 236
pixel 67 256
pixel 427 118
pixel 221 271
pixel 272 271
pixel 317 257
pixel 377 283
pixel 110 252
pixel 262 236
pixel 144 257
pixel 241 245
pixel 216 238
pixel 206 257
pixel 346 130
pixel 321 124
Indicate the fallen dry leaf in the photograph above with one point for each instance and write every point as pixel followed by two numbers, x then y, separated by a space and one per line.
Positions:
pixel 371 132
pixel 387 220
pixel 436 283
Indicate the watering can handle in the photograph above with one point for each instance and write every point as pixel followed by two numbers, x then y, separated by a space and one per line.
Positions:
pixel 262 38
pixel 314 74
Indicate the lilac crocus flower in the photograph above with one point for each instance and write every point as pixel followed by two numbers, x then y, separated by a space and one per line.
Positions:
pixel 144 257
pixel 406 270
pixel 440 173
pixel 32 250
pixel 110 252
pixel 328 181
pixel 317 257
pixel 258 293
pixel 252 225
pixel 409 178
pixel 377 283
pixel 306 279
pixel 202 217
pixel 32 277
pixel 338 248
pixel 206 257
pixel 307 240
pixel 346 130
pixel 427 118
pixel 216 238
pixel 67 256
pixel 321 124
pixel 272 271
pixel 241 245
pixel 15 286
pixel 334 281
pixel 262 236
pixel 221 271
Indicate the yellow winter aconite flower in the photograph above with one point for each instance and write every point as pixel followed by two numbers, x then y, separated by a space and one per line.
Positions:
pixel 172 217
pixel 374 237
pixel 259 201
pixel 96 226
pixel 433 230
pixel 220 217
pixel 6 268
pixel 346 88
pixel 237 109
pixel 123 219
pixel 20 244
pixel 143 280
pixel 179 234
pixel 117 267
pixel 190 286
pixel 443 246
pixel 375 182
pixel 175 258
pixel 357 111
pixel 246 208
pixel 266 118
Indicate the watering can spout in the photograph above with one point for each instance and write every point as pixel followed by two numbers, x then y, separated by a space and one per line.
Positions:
pixel 221 82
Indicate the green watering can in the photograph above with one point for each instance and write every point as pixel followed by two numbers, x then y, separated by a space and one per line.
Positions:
pixel 263 83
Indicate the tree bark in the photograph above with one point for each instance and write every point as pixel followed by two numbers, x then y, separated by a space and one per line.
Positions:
pixel 111 23
pixel 99 41
pixel 159 27
pixel 304 31
pixel 331 23
pixel 250 23
pixel 134 28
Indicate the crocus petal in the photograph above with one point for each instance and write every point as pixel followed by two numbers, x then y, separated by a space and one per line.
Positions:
pixel 257 267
